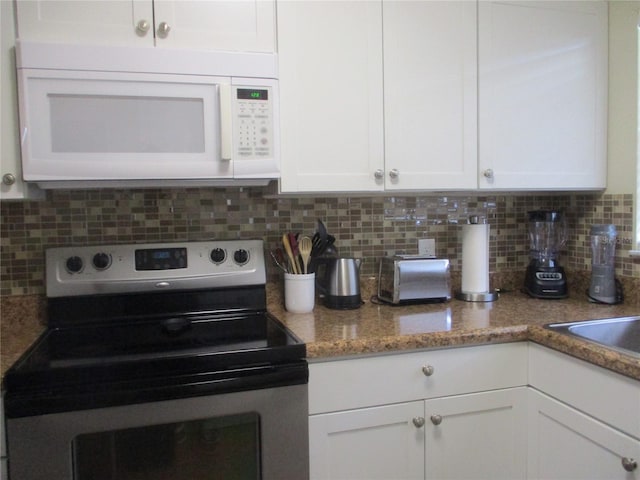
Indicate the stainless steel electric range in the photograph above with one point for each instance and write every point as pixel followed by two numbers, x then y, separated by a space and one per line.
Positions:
pixel 159 361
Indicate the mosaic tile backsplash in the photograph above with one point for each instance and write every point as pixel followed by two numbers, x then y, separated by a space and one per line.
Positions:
pixel 364 227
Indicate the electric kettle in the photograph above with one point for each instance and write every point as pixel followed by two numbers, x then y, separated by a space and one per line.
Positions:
pixel 338 281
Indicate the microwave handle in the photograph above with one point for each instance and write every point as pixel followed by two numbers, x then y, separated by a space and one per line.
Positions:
pixel 226 122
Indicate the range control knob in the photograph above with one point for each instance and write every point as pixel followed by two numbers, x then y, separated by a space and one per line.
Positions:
pixel 101 261
pixel 74 264
pixel 241 256
pixel 218 255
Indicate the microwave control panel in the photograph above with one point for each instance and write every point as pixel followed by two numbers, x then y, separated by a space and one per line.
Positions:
pixel 254 122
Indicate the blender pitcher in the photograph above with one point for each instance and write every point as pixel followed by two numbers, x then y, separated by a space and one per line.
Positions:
pixel 603 251
pixel 545 277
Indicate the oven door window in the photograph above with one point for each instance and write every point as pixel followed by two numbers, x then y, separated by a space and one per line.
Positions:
pixel 218 448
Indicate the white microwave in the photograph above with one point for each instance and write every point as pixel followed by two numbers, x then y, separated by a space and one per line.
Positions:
pixel 146 117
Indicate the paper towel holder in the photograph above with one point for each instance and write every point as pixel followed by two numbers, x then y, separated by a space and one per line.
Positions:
pixel 487 296
pixel 477 297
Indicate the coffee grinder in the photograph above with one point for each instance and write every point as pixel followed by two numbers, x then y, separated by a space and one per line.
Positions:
pixel 545 278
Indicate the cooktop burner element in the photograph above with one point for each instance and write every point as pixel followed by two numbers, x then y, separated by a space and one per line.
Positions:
pixel 129 323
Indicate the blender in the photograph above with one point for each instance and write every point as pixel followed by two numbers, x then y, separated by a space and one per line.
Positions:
pixel 603 271
pixel 545 278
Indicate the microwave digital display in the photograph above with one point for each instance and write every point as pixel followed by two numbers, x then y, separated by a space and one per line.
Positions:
pixel 253 94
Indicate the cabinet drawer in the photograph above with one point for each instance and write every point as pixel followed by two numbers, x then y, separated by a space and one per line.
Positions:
pixel 378 380
pixel 608 396
pixel 565 443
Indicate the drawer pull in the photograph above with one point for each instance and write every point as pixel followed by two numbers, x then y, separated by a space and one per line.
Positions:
pixel 629 464
pixel 427 370
pixel 8 179
pixel 163 30
pixel 418 422
pixel 142 27
pixel 436 419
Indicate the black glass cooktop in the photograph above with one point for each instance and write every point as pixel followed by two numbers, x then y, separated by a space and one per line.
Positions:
pixel 153 357
pixel 198 339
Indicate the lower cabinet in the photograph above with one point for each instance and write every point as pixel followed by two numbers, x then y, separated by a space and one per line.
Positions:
pixel 480 435
pixel 506 411
pixel 584 421
pixel 377 443
pixel 566 443
pixel 452 413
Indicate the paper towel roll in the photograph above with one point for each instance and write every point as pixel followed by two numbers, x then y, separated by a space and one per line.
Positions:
pixel 475 258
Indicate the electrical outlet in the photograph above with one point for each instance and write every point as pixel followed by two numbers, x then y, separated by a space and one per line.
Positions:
pixel 427 247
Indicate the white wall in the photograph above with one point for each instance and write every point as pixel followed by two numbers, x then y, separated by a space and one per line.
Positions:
pixel 623 96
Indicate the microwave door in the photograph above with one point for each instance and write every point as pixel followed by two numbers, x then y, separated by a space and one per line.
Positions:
pixel 107 126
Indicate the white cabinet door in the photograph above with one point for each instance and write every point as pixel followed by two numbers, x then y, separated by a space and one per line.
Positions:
pixel 12 185
pixel 430 95
pixel 110 22
pixel 565 443
pixel 236 25
pixel 368 444
pixel 481 435
pixel 542 95
pixel 330 56
pixel 246 25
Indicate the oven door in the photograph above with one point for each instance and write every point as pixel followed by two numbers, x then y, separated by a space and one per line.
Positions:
pixel 257 434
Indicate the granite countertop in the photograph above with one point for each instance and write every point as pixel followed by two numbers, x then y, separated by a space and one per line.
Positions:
pixel 375 329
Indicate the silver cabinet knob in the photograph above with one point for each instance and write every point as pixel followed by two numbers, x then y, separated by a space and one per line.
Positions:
pixel 418 422
pixel 436 419
pixel 394 173
pixel 8 179
pixel 427 370
pixel 629 464
pixel 142 27
pixel 378 174
pixel 163 29
pixel 488 173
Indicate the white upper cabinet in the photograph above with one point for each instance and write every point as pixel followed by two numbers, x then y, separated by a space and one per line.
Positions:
pixel 542 95
pixel 240 25
pixel 342 131
pixel 430 95
pixel 439 95
pixel 330 56
pixel 11 184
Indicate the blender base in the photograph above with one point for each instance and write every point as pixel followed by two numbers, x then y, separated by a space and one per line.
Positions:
pixel 546 282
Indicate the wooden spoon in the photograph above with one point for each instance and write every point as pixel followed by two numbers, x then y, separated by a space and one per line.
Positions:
pixel 305 247
pixel 287 248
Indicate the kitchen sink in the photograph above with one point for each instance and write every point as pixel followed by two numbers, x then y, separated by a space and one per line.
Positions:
pixel 621 334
